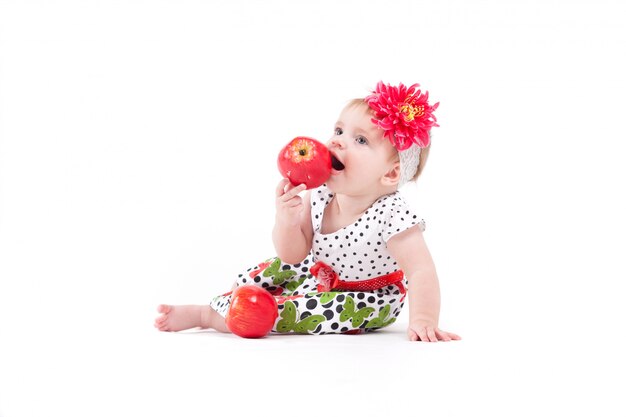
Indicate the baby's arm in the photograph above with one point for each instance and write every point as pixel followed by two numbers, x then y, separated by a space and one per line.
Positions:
pixel 410 251
pixel 293 231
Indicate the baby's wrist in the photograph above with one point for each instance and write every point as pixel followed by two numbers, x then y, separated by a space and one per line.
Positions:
pixel 423 320
pixel 286 223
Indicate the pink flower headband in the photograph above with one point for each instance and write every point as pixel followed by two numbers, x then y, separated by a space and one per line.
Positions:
pixel 403 113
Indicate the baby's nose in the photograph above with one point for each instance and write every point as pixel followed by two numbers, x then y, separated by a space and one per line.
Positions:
pixel 335 143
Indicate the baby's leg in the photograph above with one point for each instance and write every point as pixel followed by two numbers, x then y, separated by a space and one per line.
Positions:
pixel 273 275
pixel 338 312
pixel 175 318
pixel 278 277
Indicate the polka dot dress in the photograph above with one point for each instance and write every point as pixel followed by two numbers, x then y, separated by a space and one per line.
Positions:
pixel 356 252
pixel 359 251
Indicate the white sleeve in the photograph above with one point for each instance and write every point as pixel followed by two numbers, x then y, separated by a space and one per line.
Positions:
pixel 400 217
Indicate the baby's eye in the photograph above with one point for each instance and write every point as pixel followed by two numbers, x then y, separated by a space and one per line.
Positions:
pixel 338 131
pixel 361 140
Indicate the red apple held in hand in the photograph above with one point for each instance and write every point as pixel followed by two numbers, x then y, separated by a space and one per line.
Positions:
pixel 305 161
pixel 252 312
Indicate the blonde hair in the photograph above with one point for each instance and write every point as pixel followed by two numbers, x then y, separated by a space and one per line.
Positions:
pixel 423 151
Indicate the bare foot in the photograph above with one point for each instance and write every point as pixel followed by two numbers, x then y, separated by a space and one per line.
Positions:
pixel 176 318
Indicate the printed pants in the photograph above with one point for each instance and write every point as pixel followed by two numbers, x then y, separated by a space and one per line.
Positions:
pixel 302 309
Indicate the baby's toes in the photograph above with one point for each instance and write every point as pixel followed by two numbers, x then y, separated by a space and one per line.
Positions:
pixel 161 323
pixel 164 308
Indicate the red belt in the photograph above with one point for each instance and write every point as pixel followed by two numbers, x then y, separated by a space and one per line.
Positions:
pixel 329 280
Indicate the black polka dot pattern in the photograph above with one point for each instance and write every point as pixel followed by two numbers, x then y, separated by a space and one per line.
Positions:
pixel 364 254
pixel 356 252
pixel 316 313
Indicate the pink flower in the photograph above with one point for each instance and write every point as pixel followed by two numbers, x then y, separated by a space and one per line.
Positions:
pixel 404 114
pixel 325 275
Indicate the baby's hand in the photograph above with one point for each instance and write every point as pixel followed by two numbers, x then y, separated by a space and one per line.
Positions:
pixel 289 205
pixel 428 332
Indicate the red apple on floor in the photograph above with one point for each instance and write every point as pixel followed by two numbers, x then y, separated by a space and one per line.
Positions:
pixel 252 312
pixel 305 161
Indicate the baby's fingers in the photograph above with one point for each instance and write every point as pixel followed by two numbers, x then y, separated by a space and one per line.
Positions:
pixel 442 335
pixel 453 336
pixel 430 334
pixel 293 192
pixel 280 188
pixel 294 202
pixel 447 336
pixel 421 334
pixel 432 337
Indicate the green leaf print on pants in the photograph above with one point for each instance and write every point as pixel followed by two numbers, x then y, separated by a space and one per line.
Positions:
pixel 278 276
pixel 327 296
pixel 293 285
pixel 380 320
pixel 357 316
pixel 289 320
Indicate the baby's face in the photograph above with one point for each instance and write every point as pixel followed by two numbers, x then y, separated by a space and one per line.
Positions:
pixel 360 154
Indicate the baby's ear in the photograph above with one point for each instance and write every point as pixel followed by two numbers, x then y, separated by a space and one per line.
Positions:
pixel 392 177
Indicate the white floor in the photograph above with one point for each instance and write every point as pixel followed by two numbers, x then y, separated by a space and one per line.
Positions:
pixel 127 368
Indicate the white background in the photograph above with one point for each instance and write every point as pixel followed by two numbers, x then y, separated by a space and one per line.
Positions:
pixel 137 166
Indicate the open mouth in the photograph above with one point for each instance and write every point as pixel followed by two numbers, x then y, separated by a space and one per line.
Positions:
pixel 336 163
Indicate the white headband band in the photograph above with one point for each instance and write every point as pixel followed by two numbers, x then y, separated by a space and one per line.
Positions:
pixel 409 162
